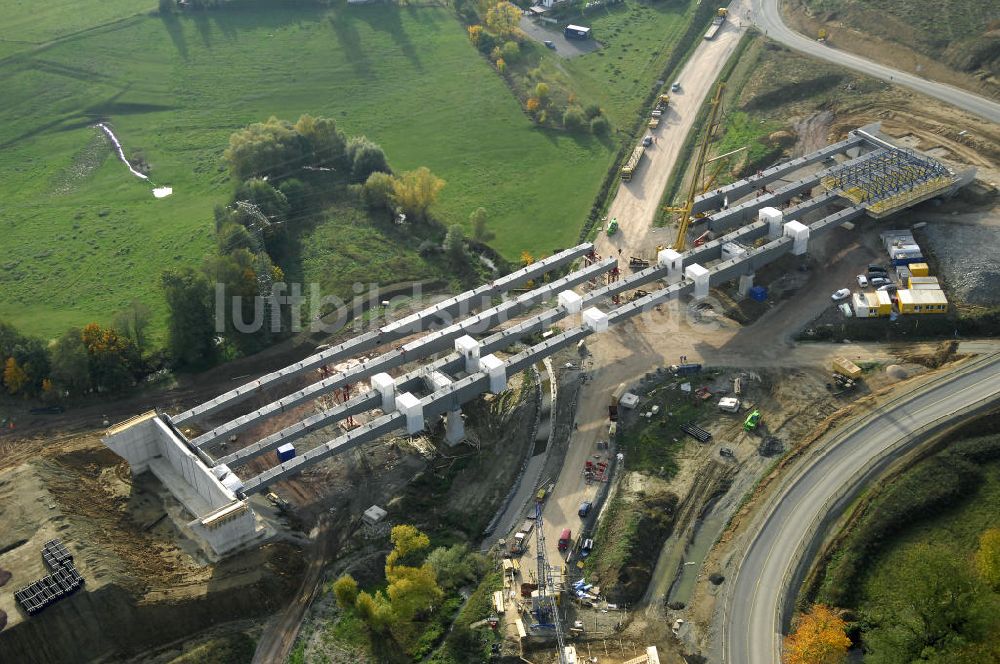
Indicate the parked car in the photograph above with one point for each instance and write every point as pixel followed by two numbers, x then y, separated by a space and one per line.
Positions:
pixel 841 294
pixel 585 507
pixel 550 44
pixel 647 141
pixel 676 86
pixel 588 546
pixel 876 268
pixel 879 281
pixel 889 288
pixel 657 113
pixel 862 281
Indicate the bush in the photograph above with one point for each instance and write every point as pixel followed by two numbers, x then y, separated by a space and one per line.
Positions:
pixel 600 126
pixel 366 158
pixel 592 111
pixel 574 120
pixel 378 191
pixel 511 51
pixel 346 590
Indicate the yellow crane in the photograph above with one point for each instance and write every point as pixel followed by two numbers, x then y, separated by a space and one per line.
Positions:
pixel 685 210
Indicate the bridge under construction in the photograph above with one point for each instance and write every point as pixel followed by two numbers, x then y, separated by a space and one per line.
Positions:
pixel 574 294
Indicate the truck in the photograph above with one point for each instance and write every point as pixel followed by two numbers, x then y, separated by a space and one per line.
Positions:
pixel 717 21
pixel 632 163
pixel 845 367
pixel 653 123
pixel 564 539
pixel 664 100
pixel 685 369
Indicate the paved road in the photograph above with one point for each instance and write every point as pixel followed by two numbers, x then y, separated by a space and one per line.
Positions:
pixel 767 16
pixel 752 633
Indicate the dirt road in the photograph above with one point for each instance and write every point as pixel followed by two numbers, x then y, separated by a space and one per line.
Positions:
pixel 636 203
pixel 280 632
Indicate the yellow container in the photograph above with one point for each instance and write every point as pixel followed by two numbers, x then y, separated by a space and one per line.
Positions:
pixel 919 269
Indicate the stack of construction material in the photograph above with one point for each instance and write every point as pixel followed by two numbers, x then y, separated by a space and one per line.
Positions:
pixel 63 581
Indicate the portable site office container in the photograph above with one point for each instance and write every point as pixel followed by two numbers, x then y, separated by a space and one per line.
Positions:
pixel 576 32
pixel 919 269
pixel 922 301
pixel 922 280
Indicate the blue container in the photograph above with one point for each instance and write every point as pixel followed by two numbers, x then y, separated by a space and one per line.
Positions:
pixel 286 452
pixel 758 293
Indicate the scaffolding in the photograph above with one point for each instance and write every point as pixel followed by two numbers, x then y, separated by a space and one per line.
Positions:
pixel 889 179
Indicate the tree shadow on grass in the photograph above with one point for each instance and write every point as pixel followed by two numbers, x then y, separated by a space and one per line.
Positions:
pixel 390 22
pixel 350 41
pixel 176 31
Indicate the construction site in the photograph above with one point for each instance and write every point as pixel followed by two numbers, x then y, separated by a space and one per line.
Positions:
pixel 603 424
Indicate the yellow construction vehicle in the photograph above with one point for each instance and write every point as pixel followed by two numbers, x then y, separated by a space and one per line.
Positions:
pixel 699 167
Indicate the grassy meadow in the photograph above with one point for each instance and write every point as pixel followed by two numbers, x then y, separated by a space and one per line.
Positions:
pixel 84 237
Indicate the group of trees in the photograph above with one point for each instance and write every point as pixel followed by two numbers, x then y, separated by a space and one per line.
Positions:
pixel 416 583
pixel 411 193
pixel 94 358
pixel 929 606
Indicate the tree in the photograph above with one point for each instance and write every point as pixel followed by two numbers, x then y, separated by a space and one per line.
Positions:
pixel 14 377
pixel 232 237
pixel 412 590
pixel 542 92
pixel 501 65
pixel 415 191
pixel 592 111
pixel 345 589
pixel 366 158
pixel 988 557
pixel 70 364
pixel 454 244
pixel 112 357
pixel 191 329
pixel 573 119
pixel 374 610
pixel 600 126
pixel 270 201
pixel 323 144
pixel 527 258
pixel 480 233
pixel 265 148
pixel 533 104
pixel 818 638
pixel 455 566
pixel 406 540
pixel 134 322
pixel 927 599
pixel 379 191
pixel 502 19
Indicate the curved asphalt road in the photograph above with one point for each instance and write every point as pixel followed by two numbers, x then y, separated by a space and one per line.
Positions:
pixel 767 16
pixel 752 629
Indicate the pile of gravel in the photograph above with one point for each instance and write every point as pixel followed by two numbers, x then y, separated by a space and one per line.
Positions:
pixel 968 258
pixel 895 371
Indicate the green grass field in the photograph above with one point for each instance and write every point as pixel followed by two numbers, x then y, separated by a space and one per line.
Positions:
pixel 638 39
pixel 84 237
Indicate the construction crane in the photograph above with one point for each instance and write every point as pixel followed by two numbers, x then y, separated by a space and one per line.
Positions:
pixel 546 608
pixel 720 162
pixel 699 167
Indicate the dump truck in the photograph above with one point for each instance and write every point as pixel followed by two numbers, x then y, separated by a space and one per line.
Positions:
pixel 633 163
pixel 845 367
pixel 653 123
pixel 664 100
pixel 720 18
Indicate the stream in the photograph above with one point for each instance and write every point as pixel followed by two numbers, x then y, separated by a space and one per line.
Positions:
pixel 158 192
pixel 706 532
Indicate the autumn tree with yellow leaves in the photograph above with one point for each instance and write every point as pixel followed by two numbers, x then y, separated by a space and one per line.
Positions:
pixel 818 638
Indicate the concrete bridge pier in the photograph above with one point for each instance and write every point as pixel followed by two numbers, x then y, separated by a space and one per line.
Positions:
pixel 454 427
